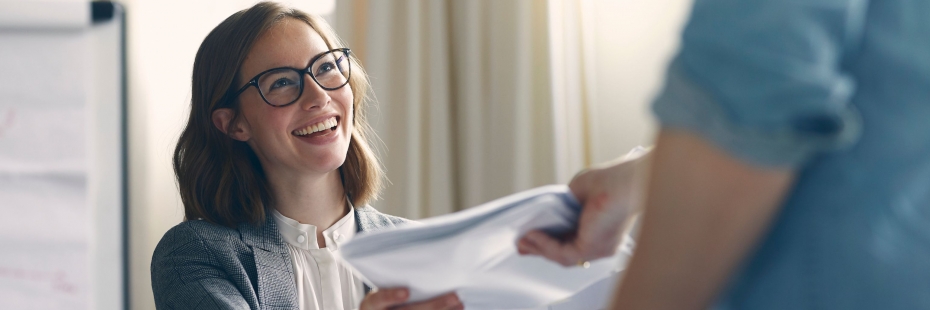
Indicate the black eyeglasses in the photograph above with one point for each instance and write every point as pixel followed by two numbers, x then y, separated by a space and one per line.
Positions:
pixel 283 86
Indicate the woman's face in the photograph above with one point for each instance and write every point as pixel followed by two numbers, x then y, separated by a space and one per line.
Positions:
pixel 284 137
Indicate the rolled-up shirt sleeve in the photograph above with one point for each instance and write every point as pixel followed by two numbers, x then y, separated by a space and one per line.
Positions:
pixel 765 80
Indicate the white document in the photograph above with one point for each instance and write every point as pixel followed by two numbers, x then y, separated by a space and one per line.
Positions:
pixel 473 253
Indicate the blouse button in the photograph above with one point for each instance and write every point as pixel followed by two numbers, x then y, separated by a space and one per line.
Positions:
pixel 301 239
pixel 338 236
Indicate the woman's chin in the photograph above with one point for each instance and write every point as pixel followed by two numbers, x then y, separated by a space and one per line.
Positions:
pixel 325 164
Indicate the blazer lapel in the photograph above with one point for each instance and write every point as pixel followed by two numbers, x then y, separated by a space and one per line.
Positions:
pixel 368 219
pixel 362 222
pixel 275 284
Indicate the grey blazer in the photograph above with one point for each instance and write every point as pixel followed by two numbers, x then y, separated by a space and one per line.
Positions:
pixel 199 265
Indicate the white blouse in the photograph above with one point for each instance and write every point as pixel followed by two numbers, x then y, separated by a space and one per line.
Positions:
pixel 323 283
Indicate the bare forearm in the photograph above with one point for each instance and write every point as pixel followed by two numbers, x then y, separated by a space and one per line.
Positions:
pixel 704 211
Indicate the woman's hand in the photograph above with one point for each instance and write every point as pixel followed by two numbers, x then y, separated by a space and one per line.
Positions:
pixel 393 298
pixel 609 194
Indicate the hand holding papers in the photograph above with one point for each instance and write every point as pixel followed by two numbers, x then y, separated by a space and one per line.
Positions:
pixel 610 193
pixel 473 253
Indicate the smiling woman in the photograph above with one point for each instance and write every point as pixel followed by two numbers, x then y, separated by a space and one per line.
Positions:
pixel 222 99
pixel 275 173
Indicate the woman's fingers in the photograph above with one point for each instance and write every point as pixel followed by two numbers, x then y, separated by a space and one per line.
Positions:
pixel 384 299
pixel 448 301
pixel 393 298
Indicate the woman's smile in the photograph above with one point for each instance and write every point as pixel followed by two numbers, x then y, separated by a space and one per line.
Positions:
pixel 319 132
pixel 329 123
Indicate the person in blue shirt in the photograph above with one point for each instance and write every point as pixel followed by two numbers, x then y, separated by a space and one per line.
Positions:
pixel 792 168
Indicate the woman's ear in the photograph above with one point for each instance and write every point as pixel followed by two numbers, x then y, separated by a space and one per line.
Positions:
pixel 224 119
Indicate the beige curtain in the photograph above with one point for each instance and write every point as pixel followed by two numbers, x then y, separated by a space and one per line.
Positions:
pixel 476 99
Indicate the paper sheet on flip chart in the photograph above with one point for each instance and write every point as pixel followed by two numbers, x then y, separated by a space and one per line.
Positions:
pixel 45 242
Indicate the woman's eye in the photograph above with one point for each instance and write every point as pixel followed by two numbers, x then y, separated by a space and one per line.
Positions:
pixel 325 68
pixel 282 83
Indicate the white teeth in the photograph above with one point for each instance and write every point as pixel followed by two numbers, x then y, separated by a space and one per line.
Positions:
pixel 327 124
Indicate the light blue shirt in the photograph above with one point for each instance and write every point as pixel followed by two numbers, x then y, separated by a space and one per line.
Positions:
pixel 838 90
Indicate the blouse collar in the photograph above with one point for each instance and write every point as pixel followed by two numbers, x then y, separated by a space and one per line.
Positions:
pixel 303 236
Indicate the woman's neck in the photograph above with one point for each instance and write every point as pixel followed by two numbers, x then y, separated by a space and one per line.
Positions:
pixel 316 200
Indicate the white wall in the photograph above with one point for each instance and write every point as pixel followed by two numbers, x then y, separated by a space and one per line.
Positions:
pixel 163 37
pixel 634 40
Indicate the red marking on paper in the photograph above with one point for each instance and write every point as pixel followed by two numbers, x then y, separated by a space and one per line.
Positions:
pixel 7 121
pixel 56 280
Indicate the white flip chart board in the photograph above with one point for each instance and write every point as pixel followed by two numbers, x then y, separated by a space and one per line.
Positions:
pixel 62 155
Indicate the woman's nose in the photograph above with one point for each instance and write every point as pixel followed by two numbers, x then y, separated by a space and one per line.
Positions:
pixel 313 95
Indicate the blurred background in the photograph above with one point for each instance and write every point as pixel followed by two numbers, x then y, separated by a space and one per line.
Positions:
pixel 475 99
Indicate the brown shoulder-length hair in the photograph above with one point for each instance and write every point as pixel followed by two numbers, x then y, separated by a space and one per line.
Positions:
pixel 220 179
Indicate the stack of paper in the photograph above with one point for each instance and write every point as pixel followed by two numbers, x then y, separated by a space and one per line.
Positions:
pixel 473 253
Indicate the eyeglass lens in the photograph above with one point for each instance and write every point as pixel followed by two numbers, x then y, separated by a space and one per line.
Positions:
pixel 283 86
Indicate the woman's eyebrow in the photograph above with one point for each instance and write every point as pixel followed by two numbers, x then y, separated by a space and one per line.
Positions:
pixel 276 63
